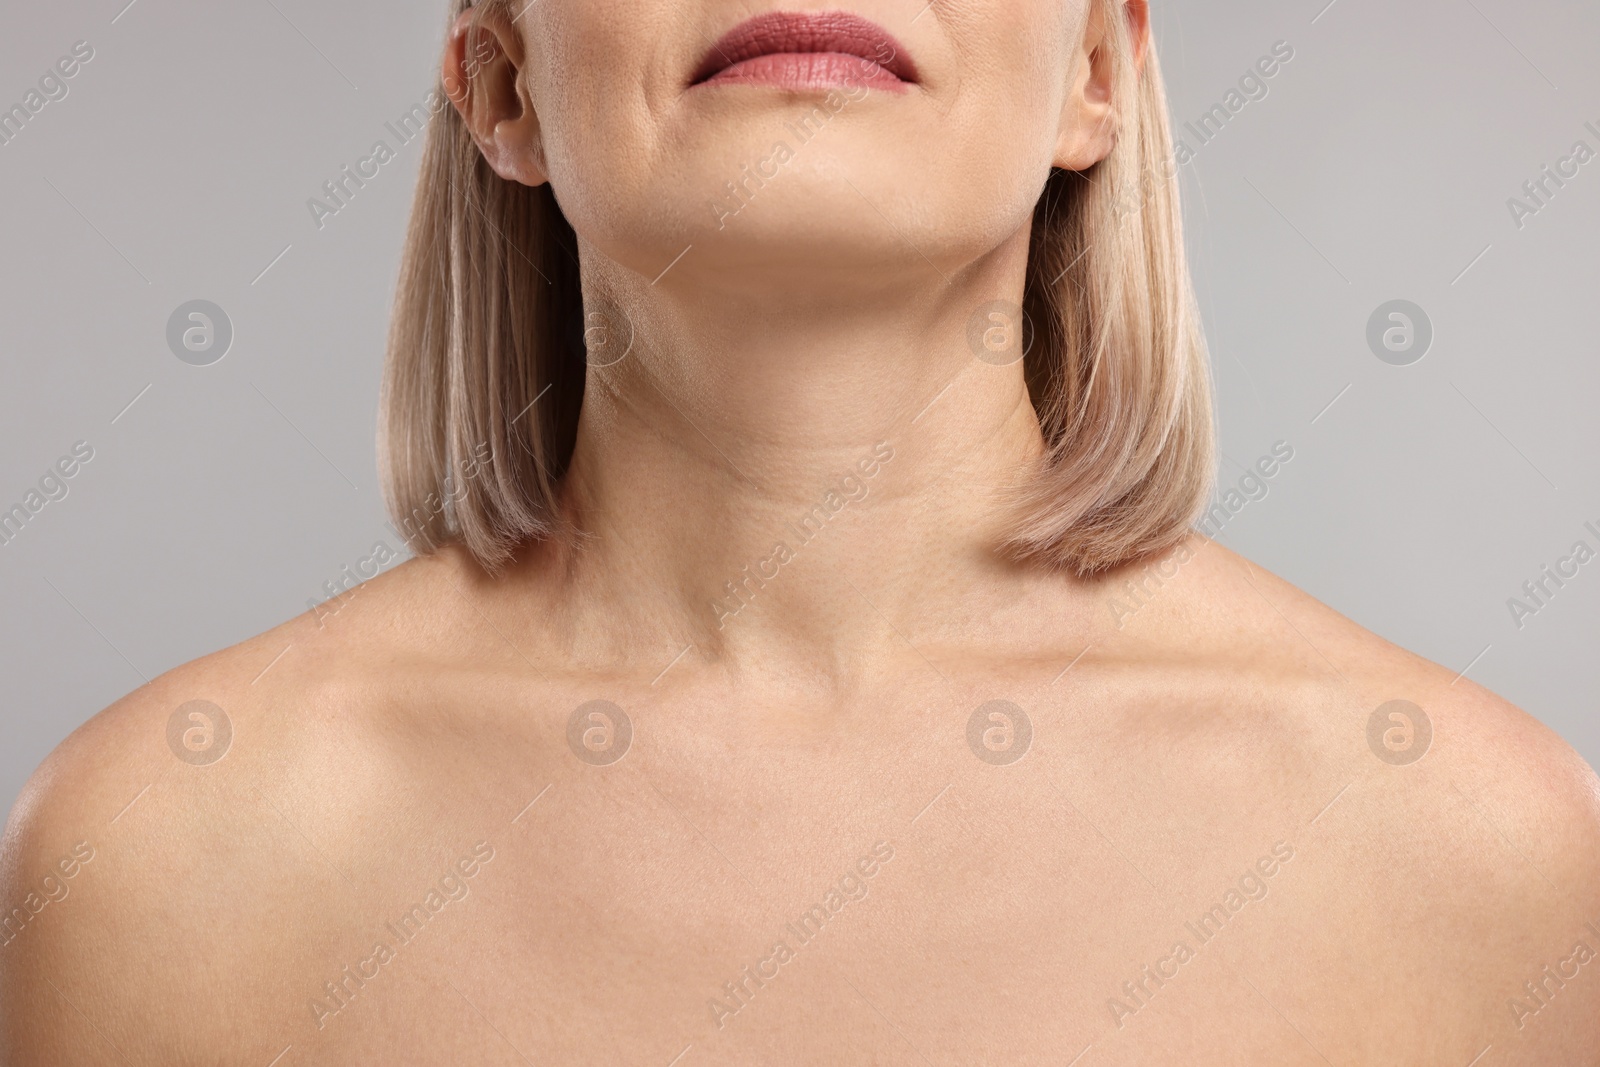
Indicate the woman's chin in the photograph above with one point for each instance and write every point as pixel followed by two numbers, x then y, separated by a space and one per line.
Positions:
pixel 809 227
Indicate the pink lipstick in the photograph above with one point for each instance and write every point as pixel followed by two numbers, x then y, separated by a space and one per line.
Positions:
pixel 814 50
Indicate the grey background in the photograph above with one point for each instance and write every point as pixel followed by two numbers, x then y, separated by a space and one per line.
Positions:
pixel 1378 167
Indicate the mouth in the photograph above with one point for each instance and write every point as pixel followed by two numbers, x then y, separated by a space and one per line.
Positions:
pixel 814 50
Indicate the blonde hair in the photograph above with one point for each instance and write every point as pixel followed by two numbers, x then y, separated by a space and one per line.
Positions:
pixel 485 370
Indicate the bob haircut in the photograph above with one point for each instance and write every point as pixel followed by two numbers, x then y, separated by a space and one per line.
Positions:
pixel 485 372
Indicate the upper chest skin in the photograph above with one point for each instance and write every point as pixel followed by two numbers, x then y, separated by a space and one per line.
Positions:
pixel 1201 869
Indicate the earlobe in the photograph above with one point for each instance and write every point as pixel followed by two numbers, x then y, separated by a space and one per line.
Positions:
pixel 482 74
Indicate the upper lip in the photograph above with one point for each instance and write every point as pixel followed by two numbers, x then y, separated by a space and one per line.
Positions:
pixel 818 31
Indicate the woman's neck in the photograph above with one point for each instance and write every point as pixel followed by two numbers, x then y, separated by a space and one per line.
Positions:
pixel 798 484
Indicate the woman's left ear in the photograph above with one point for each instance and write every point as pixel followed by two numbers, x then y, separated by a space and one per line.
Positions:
pixel 1089 116
pixel 482 71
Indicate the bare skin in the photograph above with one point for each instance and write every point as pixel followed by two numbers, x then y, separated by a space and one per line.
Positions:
pixel 1228 718
pixel 1203 748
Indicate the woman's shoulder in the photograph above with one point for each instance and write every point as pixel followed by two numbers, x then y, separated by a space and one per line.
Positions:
pixel 174 811
pixel 1323 669
pixel 342 648
pixel 1442 835
pixel 1450 782
pixel 321 677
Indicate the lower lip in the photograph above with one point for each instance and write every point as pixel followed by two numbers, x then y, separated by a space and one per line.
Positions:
pixel 809 70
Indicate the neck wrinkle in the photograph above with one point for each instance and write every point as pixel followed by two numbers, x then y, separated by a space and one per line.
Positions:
pixel 799 485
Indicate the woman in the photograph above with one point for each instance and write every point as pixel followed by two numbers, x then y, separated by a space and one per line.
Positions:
pixel 802 419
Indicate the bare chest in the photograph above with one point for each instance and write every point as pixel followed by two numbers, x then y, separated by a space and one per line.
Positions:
pixel 648 916
pixel 923 894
